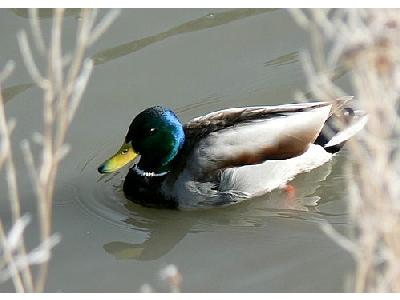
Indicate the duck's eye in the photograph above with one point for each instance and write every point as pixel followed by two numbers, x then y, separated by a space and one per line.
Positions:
pixel 152 131
pixel 124 151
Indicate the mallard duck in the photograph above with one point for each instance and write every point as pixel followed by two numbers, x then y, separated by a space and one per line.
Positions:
pixel 229 155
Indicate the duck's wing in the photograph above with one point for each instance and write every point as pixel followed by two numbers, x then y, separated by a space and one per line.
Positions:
pixel 250 135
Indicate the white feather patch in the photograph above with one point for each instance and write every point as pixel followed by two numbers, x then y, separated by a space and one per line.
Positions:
pixel 256 180
pixel 348 132
pixel 247 138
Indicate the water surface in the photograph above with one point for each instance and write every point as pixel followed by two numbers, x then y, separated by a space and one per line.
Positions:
pixel 194 61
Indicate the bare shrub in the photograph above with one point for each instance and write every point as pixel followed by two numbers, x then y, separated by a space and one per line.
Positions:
pixel 63 85
pixel 367 43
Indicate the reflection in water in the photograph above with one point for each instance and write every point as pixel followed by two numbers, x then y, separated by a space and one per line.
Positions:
pixel 209 21
pixel 166 227
pixel 45 13
pixel 164 234
pixel 293 57
pixel 204 102
pixel 12 91
pixel 282 60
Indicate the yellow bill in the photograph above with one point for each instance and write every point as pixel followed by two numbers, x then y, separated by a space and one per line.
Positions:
pixel 123 156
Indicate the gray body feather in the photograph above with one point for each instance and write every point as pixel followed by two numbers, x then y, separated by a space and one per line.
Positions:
pixel 240 153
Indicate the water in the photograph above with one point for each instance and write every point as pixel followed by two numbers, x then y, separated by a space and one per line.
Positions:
pixel 194 61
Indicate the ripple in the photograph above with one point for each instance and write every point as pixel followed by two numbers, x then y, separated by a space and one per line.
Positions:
pixel 102 196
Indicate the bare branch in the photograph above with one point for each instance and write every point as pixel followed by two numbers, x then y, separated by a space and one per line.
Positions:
pixel 104 24
pixel 7 70
pixel 367 42
pixel 36 30
pixel 79 88
pixel 29 61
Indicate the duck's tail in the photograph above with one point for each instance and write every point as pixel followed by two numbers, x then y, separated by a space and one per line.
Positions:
pixel 343 123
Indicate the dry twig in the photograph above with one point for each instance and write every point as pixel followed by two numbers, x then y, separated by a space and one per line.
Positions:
pixel 63 85
pixel 368 43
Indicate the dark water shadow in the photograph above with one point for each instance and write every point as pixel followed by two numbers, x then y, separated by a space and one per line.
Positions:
pixel 286 59
pixel 12 91
pixel 205 22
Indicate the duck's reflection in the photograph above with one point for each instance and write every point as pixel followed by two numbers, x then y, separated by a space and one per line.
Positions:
pixel 167 227
pixel 163 236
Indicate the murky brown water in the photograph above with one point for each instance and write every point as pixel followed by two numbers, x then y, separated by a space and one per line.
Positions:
pixel 194 61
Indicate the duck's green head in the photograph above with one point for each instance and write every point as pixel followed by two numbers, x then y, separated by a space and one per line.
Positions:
pixel 156 134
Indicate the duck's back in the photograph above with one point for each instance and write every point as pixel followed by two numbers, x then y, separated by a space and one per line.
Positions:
pixel 258 134
pixel 234 154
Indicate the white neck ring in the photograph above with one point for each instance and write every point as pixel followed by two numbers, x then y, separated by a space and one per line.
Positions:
pixel 148 174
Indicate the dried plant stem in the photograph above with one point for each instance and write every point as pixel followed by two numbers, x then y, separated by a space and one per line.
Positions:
pixel 13 196
pixel 61 99
pixel 63 86
pixel 368 43
pixel 9 260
